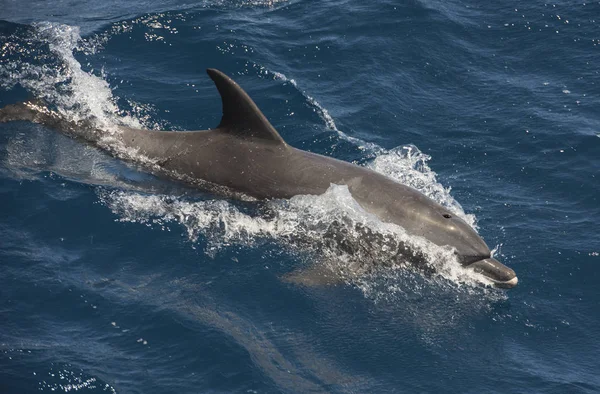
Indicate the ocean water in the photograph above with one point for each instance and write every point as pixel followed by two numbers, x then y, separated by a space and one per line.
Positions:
pixel 113 280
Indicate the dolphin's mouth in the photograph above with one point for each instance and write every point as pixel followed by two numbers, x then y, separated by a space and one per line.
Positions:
pixel 492 269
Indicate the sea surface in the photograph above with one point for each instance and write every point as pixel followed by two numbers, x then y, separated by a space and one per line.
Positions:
pixel 115 280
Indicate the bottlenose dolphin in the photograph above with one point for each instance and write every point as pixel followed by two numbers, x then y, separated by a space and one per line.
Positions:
pixel 245 153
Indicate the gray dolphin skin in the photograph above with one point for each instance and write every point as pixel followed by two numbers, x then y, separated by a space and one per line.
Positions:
pixel 246 154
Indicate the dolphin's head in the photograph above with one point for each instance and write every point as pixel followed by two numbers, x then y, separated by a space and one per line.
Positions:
pixel 442 227
pixel 420 215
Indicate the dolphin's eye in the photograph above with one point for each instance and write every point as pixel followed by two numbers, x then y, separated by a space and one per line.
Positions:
pixel 447 215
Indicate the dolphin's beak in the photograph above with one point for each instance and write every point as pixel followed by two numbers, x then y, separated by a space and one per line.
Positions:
pixel 501 275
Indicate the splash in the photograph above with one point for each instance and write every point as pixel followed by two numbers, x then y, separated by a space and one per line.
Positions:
pixel 43 62
pixel 331 229
pixel 42 59
pixel 408 165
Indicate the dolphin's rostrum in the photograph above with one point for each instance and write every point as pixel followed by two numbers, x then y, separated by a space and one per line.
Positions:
pixel 246 154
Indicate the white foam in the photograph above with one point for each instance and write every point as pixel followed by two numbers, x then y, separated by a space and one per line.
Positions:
pixel 408 165
pixel 307 225
pixel 60 80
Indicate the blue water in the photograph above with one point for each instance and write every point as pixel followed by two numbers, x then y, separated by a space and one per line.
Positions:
pixel 113 280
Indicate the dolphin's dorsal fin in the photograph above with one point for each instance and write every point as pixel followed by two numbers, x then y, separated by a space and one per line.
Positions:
pixel 240 114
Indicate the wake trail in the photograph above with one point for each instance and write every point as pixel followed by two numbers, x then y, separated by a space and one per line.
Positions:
pixel 323 113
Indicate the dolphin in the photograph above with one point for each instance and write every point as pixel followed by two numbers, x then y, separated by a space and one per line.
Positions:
pixel 245 154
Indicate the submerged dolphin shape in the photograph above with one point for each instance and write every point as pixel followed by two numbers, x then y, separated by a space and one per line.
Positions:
pixel 246 154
